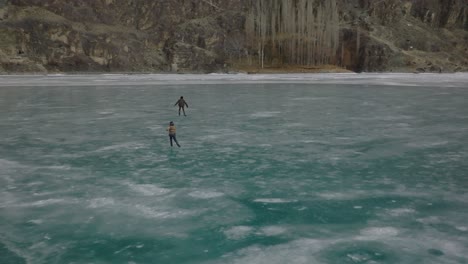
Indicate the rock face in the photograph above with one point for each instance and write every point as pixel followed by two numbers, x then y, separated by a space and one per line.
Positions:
pixel 418 35
pixel 210 36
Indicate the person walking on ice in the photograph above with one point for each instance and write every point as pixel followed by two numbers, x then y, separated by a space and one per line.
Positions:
pixel 181 102
pixel 172 133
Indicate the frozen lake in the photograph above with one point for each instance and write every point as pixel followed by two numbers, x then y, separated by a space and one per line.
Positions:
pixel 296 168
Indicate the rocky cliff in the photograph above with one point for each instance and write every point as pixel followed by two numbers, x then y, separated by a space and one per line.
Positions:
pixel 213 35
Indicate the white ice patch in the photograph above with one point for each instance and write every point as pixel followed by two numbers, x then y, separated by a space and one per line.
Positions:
pixel 427 144
pixel 274 200
pixel 372 233
pixel 47 202
pixel 39 203
pixel 429 220
pixel 148 189
pixel 205 194
pixel 272 231
pixel 226 150
pixel 55 167
pixel 36 221
pixel 265 114
pixel 209 137
pixel 293 125
pixel 129 145
pixel 156 213
pixel 106 113
pixel 238 232
pixel 101 202
pixel 63 167
pixel 129 247
pixel 401 211
pixel 395 117
pixel 453 248
pixel 36 183
pixel 339 196
pixel 300 251
pixel 155 128
pixel 316 141
pixel 7 164
pixel 309 98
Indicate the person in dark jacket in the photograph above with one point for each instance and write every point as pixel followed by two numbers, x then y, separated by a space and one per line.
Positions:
pixel 181 102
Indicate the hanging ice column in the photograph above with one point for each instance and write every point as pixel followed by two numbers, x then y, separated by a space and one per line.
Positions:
pixel 300 32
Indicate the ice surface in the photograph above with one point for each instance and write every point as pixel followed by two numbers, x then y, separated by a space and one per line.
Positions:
pixel 293 168
pixel 368 79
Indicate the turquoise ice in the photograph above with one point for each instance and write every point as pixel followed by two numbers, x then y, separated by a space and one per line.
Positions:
pixel 320 168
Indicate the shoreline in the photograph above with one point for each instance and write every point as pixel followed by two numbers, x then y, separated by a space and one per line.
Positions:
pixel 293 69
pixel 262 72
pixel 239 70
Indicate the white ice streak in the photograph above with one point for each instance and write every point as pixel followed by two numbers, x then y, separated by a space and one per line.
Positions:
pixel 200 194
pixel 301 251
pixel 310 98
pixel 128 247
pixel 101 202
pixel 138 210
pixel 226 135
pixel 61 167
pixel 427 144
pixel 209 137
pixel 39 203
pixel 241 232
pixel 294 125
pixel 148 189
pixel 27 255
pixel 401 211
pixel 274 200
pixel 156 128
pixel 123 146
pixel 358 194
pixel 265 114
pixel 36 221
pixel 106 113
pixel 341 195
pixel 377 233
pixel 322 142
pixel 272 230
pixel 8 164
pixel 238 232
pixel 160 213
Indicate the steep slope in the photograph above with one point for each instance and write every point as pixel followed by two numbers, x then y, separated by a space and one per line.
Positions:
pixel 213 36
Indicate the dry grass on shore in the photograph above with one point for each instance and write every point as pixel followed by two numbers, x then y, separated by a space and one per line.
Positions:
pixel 292 69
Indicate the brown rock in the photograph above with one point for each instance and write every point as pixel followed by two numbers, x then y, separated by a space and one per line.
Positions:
pixel 208 35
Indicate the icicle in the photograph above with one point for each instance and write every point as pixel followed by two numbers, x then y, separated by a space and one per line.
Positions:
pixel 358 40
pixel 294 31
